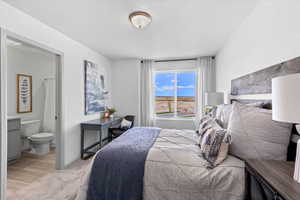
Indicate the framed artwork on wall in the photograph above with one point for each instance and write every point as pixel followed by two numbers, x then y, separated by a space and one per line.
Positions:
pixel 24 93
pixel 94 89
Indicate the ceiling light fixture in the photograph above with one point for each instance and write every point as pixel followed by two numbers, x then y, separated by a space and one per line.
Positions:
pixel 140 19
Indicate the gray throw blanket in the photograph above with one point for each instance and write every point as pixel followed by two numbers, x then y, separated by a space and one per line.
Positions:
pixel 118 169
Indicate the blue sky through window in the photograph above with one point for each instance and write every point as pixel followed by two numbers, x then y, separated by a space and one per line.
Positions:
pixel 186 82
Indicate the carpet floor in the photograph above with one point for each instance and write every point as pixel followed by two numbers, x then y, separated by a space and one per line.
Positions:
pixel 35 178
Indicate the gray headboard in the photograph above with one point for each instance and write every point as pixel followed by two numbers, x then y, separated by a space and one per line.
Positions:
pixel 260 82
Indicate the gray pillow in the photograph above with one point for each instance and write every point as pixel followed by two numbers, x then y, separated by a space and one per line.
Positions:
pixel 255 135
pixel 223 112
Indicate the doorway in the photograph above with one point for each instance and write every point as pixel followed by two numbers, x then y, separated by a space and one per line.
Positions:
pixel 31 93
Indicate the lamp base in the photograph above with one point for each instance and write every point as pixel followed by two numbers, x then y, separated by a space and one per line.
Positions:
pixel 298 128
pixel 297 164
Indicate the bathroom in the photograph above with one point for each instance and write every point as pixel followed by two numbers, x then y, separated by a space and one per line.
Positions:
pixel 31 102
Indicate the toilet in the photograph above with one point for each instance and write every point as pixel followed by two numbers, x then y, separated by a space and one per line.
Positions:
pixel 39 141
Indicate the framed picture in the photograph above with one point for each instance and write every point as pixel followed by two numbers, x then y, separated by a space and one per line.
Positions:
pixel 94 89
pixel 24 93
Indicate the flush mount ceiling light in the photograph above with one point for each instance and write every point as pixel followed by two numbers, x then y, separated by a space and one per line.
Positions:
pixel 140 19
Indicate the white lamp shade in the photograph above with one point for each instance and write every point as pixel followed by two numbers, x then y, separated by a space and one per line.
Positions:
pixel 286 98
pixel 214 98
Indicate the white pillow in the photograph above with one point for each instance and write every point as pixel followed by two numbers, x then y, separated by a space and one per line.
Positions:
pixel 125 124
pixel 223 112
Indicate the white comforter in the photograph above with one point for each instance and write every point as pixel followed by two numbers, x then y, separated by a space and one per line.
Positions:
pixel 175 171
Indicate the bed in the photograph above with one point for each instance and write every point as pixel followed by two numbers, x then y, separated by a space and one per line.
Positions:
pixel 168 165
pixel 174 170
pixel 171 170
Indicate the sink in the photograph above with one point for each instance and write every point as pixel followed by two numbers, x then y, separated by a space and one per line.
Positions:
pixel 13 117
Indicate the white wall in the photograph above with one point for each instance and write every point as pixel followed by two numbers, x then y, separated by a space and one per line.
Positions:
pixel 125 87
pixel 73 71
pixel 270 35
pixel 37 64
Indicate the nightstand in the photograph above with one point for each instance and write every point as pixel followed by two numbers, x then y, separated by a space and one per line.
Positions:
pixel 271 180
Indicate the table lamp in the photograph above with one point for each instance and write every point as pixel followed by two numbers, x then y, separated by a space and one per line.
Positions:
pixel 286 107
pixel 212 99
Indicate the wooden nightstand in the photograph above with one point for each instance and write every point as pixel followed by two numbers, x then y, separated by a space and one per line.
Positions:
pixel 271 180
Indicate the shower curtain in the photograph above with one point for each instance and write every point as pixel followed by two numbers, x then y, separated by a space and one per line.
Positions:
pixel 49 108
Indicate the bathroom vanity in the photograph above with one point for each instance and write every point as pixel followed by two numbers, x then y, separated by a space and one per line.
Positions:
pixel 13 138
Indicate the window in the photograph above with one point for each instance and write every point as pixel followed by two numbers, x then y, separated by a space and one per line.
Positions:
pixel 175 94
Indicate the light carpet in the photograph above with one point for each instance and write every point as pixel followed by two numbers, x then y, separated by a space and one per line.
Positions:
pixel 59 185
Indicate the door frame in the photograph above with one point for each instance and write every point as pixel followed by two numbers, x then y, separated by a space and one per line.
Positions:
pixel 60 142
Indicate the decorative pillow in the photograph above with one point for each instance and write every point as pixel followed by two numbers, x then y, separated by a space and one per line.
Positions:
pixel 211 114
pixel 125 124
pixel 255 135
pixel 214 145
pixel 205 123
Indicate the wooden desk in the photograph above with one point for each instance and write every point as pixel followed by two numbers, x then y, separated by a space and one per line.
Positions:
pixel 96 125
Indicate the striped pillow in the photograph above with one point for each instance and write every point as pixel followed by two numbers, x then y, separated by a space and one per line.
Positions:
pixel 205 123
pixel 197 122
pixel 214 145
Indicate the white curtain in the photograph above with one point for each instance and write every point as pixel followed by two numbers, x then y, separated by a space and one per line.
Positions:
pixel 206 81
pixel 146 97
pixel 49 107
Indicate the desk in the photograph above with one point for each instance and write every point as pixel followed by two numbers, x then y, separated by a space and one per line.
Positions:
pixel 96 125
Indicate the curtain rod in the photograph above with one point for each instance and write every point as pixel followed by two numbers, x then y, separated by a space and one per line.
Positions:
pixel 183 59
pixel 174 60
